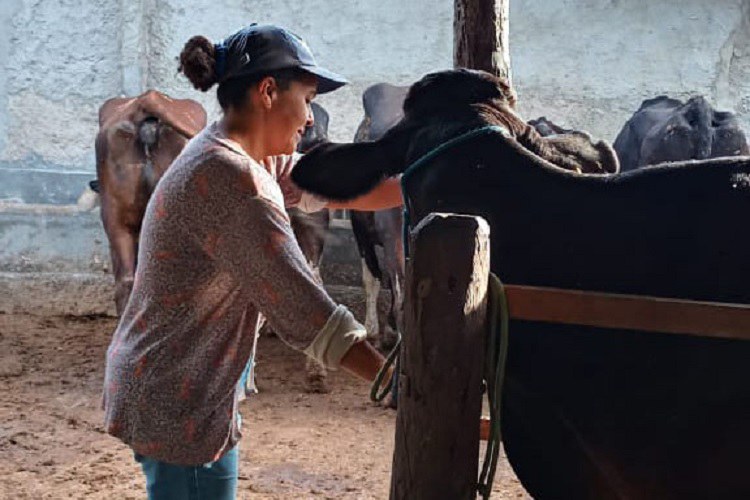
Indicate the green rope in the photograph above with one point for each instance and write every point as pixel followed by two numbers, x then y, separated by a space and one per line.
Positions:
pixel 421 162
pixel 494 375
pixel 376 396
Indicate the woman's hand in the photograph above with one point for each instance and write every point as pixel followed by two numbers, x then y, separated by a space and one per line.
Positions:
pixel 281 168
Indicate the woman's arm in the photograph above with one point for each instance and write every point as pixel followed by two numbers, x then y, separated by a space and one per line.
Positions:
pixel 364 361
pixel 385 195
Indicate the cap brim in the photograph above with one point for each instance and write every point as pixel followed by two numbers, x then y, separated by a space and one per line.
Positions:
pixel 328 81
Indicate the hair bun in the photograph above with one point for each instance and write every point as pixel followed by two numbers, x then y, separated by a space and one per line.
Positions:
pixel 198 62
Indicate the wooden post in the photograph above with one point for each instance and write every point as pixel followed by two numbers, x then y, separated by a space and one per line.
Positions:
pixel 436 454
pixel 480 36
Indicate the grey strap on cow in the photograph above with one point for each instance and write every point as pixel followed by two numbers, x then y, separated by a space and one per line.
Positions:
pixel 494 376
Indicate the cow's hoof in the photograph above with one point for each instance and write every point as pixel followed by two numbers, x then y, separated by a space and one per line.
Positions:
pixel 389 402
pixel 316 385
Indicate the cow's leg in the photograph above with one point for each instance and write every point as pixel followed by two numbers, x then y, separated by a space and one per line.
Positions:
pixel 394 319
pixel 316 377
pixel 316 273
pixel 123 247
pixel 316 374
pixel 372 290
pixel 389 226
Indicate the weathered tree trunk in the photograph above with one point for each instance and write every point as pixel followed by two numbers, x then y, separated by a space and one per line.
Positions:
pixel 480 36
pixel 442 358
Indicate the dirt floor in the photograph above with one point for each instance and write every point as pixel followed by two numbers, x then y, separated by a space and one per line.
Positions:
pixel 296 445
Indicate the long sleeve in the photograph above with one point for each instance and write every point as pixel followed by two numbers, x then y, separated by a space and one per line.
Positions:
pixel 257 246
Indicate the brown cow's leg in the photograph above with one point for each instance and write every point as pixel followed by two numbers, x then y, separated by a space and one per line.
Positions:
pixel 123 246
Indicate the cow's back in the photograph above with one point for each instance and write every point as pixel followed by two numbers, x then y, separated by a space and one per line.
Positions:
pixel 605 413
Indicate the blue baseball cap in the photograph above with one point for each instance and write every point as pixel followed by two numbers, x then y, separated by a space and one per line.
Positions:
pixel 258 49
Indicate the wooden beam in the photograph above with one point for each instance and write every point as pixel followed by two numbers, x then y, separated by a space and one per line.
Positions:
pixel 440 379
pixel 629 312
pixel 481 36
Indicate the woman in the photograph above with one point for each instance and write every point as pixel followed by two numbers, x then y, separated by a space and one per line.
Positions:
pixel 216 252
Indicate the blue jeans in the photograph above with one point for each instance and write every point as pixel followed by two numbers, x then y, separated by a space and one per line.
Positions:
pixel 212 481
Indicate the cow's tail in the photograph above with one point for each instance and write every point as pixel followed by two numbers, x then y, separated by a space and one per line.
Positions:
pixel 148 132
pixel 148 135
pixel 700 117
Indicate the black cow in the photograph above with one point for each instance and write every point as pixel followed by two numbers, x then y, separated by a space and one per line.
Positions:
pixel 666 130
pixel 382 104
pixel 588 413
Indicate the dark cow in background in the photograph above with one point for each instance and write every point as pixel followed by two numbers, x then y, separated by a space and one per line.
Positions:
pixel 311 229
pixel 137 140
pixel 588 412
pixel 382 104
pixel 666 130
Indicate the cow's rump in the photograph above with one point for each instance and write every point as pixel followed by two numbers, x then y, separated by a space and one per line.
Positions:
pixel 600 413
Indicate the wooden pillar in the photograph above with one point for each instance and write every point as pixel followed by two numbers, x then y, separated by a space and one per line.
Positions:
pixel 440 386
pixel 480 36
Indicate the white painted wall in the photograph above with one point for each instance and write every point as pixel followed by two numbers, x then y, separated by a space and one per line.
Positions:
pixel 585 63
pixel 590 63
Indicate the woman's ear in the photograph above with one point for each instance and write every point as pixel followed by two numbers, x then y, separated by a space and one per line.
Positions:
pixel 267 89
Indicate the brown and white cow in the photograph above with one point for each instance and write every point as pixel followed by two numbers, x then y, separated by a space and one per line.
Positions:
pixel 382 105
pixel 138 139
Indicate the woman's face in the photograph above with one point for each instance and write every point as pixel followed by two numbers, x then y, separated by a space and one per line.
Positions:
pixel 290 115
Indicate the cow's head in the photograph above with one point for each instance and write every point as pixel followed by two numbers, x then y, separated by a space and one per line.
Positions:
pixel 436 108
pixel 384 107
pixel 317 132
pixel 547 127
pixel 693 131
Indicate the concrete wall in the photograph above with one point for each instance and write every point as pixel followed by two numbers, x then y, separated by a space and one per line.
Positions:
pixel 590 63
pixel 60 59
pixel 586 64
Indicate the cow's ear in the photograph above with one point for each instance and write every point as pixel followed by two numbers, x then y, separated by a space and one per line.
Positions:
pixel 607 157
